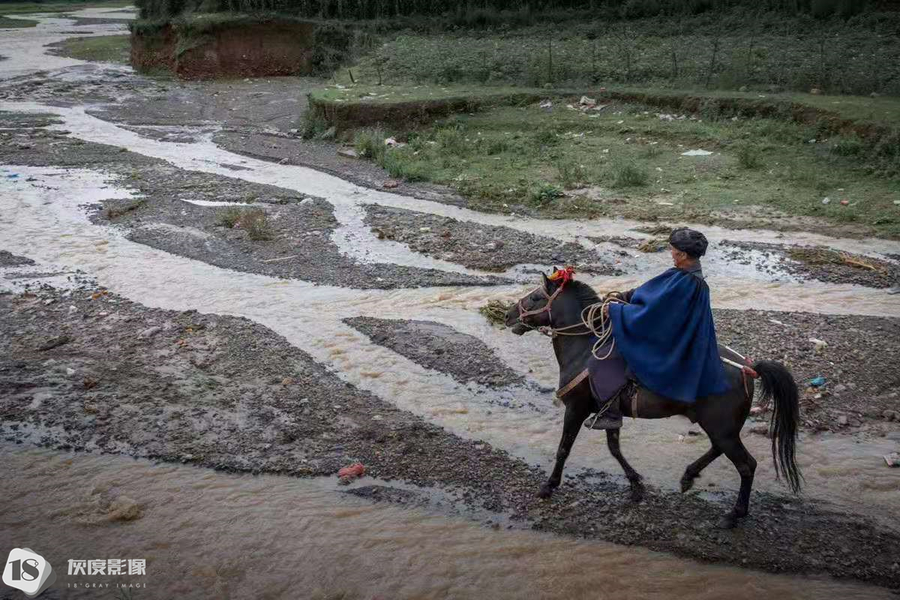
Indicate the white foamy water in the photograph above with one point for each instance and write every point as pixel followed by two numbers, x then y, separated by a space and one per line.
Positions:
pixel 41 222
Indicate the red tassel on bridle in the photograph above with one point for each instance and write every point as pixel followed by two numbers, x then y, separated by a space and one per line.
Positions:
pixel 565 275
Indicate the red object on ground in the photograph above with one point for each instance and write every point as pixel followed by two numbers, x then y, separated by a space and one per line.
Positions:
pixel 353 471
pixel 845 202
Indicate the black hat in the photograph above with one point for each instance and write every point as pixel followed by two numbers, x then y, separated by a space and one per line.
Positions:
pixel 693 243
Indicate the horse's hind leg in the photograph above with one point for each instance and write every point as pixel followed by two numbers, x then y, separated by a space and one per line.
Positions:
pixel 734 449
pixel 693 470
pixel 577 411
pixel 634 478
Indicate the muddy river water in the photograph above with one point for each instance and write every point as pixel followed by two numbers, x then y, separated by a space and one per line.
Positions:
pixel 207 534
pixel 210 534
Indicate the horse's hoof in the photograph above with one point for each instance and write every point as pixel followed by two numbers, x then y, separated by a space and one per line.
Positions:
pixel 686 483
pixel 545 492
pixel 637 494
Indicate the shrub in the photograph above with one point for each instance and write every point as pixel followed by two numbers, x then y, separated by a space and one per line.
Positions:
pixel 629 175
pixel 256 224
pixel 545 194
pixel 749 156
pixel 229 217
pixel 369 142
pixel 571 174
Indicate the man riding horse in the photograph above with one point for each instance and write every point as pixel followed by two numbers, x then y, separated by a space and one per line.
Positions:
pixel 651 353
pixel 662 336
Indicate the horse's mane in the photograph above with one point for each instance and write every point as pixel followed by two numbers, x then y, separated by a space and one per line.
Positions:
pixel 585 293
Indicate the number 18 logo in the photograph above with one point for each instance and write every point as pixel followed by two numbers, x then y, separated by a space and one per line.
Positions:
pixel 26 570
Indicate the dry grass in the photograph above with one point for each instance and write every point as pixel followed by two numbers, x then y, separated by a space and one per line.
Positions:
pixel 495 312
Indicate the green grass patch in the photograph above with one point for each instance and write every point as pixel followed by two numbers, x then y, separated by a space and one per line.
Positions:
pixel 252 220
pixel 392 94
pixel 12 8
pixel 759 52
pixel 626 160
pixel 105 48
pixel 7 23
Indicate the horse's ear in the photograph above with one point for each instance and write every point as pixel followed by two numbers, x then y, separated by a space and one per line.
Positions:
pixel 545 281
pixel 555 269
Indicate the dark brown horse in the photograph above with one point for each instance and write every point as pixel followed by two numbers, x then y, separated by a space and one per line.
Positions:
pixel 554 306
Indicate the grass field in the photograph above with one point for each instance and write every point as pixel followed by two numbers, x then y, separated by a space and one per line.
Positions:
pixel 105 48
pixel 13 8
pixel 729 50
pixel 627 160
pixel 7 23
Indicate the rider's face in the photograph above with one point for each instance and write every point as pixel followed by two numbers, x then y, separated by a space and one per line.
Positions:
pixel 678 257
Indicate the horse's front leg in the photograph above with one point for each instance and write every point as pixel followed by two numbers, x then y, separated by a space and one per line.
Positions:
pixel 634 478
pixel 577 410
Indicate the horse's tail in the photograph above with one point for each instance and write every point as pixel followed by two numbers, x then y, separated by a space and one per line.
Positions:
pixel 778 384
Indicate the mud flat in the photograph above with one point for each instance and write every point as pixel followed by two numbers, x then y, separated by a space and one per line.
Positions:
pixel 439 347
pixel 820 264
pixel 478 246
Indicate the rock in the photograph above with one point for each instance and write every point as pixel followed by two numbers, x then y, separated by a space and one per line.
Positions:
pixel 816 91
pixel 287 381
pixel 124 508
pixel 329 134
pixel 840 388
pixel 391 142
pixel 70 372
pixel 495 245
pixel 696 153
pixel 425 229
pixel 826 200
pixel 843 421
pixel 761 429
pixel 54 343
pixel 149 332
pixel 348 153
pixel 819 344
pixel 546 104
pixel 891 415
pixel 588 102
pixel 390 184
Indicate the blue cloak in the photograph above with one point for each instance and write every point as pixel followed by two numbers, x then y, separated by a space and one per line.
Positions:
pixel 667 337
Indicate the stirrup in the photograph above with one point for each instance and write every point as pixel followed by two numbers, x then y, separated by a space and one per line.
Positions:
pixel 603 422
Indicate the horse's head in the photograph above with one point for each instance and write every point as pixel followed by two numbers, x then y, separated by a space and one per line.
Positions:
pixel 534 309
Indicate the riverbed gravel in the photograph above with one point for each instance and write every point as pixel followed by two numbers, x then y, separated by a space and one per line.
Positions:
pixel 90 371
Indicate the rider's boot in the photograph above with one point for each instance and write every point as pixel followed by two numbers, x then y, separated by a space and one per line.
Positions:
pixel 610 419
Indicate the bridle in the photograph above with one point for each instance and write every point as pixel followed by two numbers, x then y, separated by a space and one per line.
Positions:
pixel 548 329
pixel 544 309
